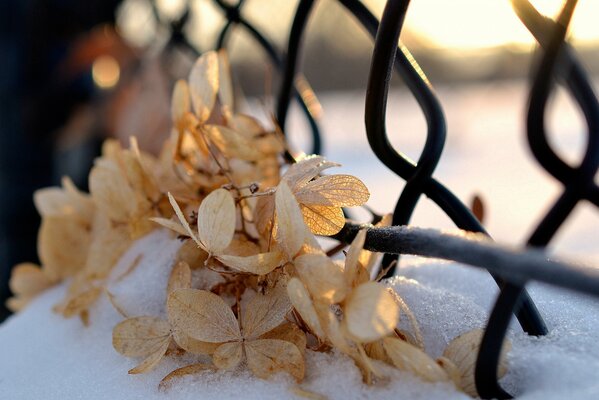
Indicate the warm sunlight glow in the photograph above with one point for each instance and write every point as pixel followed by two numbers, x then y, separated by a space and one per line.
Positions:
pixel 106 72
pixel 471 24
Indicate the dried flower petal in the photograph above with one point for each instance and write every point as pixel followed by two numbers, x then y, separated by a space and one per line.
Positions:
pixel 265 312
pixel 267 357
pixel 409 358
pixel 203 85
pixel 370 312
pixel 216 221
pixel 140 336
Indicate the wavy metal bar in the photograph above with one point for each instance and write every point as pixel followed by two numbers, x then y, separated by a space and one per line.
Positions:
pixel 234 17
pixel 527 315
pixel 574 191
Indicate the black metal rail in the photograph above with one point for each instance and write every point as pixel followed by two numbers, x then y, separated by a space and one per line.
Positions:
pixel 512 269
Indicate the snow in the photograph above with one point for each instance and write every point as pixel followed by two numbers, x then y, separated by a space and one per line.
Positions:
pixel 44 356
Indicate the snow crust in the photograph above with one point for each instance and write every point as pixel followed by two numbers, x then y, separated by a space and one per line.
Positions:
pixel 45 356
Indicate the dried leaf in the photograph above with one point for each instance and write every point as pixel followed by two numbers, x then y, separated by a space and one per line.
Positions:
pixel 300 298
pixel 370 312
pixel 180 277
pixel 265 312
pixel 203 85
pixel 323 220
pixel 258 264
pixel 291 228
pixel 140 336
pixel 216 221
pixel 184 371
pixel 228 356
pixel 409 358
pixel 334 190
pixel 202 315
pixel 463 351
pixel 266 357
pixel 152 360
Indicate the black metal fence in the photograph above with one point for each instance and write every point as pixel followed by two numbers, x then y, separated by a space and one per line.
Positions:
pixel 557 63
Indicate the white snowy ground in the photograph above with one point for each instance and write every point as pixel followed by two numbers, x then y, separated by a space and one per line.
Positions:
pixel 43 356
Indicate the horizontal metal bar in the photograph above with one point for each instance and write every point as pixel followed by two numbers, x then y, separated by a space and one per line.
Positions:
pixel 515 265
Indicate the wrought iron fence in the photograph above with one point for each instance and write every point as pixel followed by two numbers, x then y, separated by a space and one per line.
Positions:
pixel 511 269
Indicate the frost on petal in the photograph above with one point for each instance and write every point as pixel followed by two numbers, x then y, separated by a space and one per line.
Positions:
pixel 216 221
pixel 150 362
pixel 203 85
pixel 228 355
pixel 258 264
pixel 305 170
pixel 323 220
pixel 202 315
pixel 300 298
pixel 266 357
pixel 409 358
pixel 463 351
pixel 265 312
pixel 291 227
pixel 371 313
pixel 180 277
pixel 140 336
pixel 334 190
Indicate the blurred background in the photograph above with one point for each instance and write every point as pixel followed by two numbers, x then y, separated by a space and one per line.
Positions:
pixel 74 73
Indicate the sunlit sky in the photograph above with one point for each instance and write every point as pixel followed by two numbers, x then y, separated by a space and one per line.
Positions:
pixel 453 24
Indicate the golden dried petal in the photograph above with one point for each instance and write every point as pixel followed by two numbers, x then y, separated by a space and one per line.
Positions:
pixel 152 360
pixel 463 351
pixel 409 358
pixel 321 276
pixel 368 258
pixel 172 225
pixel 352 265
pixel 216 221
pixel 266 357
pixel 298 391
pixel 180 277
pixel 370 312
pixel 230 143
pixel 203 85
pixel 452 371
pixel 63 244
pixel 202 315
pixel 111 192
pixel 108 244
pixel 80 302
pixel 140 336
pixel 264 213
pixel 180 102
pixel 225 87
pixel 300 298
pixel 258 264
pixel 288 332
pixel 305 170
pixel 323 220
pixel 191 254
pixel 28 279
pixel 52 201
pixel 184 371
pixel 291 227
pixel 228 356
pixel 192 345
pixel 334 190
pixel 182 219
pixel 265 312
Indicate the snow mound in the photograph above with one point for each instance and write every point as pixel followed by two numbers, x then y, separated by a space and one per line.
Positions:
pixel 47 357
